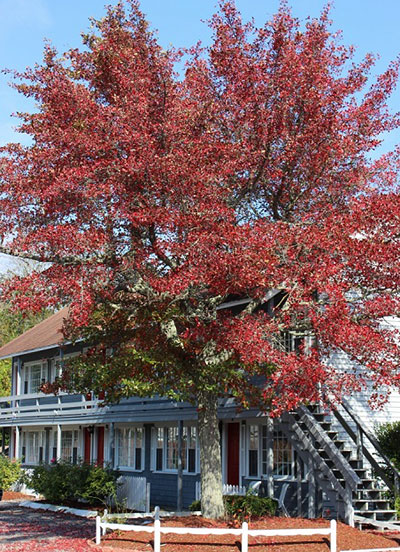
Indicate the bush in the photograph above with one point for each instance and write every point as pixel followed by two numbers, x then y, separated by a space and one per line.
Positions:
pixel 243 508
pixel 100 485
pixel 63 482
pixel 10 472
pixel 195 506
pixel 388 435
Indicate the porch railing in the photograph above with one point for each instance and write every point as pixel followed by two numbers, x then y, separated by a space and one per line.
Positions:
pixel 39 405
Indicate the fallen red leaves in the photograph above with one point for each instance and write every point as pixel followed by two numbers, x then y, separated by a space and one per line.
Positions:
pixel 348 538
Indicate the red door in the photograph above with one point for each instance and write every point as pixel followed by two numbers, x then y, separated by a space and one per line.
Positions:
pixel 100 446
pixel 86 455
pixel 233 450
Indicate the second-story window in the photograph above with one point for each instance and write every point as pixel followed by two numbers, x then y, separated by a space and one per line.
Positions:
pixel 34 375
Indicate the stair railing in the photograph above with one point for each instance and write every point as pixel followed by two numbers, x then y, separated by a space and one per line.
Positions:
pixel 358 438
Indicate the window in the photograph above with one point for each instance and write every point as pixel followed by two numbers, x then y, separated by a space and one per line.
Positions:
pixel 283 456
pixel 130 446
pixel 69 445
pixel 172 448
pixel 253 450
pixel 291 342
pixel 165 449
pixel 189 448
pixel 34 376
pixel 33 445
pixel 257 453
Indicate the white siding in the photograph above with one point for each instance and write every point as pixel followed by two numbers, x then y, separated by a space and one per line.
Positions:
pixel 390 411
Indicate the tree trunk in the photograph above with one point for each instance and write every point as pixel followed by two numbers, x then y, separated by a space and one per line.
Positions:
pixel 212 505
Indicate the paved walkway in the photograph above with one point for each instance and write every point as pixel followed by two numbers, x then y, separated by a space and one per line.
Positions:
pixel 25 530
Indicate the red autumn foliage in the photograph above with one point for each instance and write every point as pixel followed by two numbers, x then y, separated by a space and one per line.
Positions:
pixel 167 195
pixel 155 198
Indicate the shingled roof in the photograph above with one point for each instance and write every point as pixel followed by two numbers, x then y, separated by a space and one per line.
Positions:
pixel 42 336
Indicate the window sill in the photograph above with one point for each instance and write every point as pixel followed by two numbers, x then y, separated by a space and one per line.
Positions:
pixel 174 472
pixel 129 469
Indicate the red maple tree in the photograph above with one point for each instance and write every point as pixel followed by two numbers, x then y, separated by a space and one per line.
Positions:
pixel 157 198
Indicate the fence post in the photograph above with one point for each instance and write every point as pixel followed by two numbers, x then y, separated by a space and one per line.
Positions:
pixel 104 529
pixel 333 535
pixel 245 536
pixel 98 532
pixel 157 536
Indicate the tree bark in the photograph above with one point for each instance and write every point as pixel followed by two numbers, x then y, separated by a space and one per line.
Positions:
pixel 212 505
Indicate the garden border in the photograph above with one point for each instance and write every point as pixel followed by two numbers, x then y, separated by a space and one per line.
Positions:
pixel 102 525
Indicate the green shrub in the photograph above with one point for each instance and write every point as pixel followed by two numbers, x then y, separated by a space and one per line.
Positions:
pixel 195 506
pixel 10 472
pixel 100 485
pixel 245 507
pixel 388 435
pixel 397 506
pixel 63 482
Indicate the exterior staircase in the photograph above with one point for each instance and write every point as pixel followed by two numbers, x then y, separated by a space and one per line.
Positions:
pixel 347 464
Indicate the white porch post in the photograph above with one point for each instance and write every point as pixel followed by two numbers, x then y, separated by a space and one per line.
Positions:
pixel 17 442
pixel 18 386
pixel 58 453
pixel 270 457
pixel 93 445
pixel 11 446
pixel 111 437
pixel 224 443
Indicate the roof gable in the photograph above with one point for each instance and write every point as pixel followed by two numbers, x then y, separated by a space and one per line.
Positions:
pixel 44 335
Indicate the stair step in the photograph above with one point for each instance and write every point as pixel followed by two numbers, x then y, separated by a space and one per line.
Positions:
pixel 379 515
pixel 371 505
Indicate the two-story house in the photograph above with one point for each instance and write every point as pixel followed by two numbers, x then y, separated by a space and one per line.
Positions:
pixel 316 462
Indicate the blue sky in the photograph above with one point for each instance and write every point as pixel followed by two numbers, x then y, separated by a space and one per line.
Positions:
pixel 369 25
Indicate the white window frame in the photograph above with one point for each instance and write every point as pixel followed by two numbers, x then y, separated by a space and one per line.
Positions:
pixel 38 437
pixel 262 428
pixel 76 439
pixel 27 375
pixel 132 438
pixel 154 441
pixel 278 435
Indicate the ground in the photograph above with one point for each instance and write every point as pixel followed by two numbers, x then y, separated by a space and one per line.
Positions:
pixel 24 530
pixel 348 538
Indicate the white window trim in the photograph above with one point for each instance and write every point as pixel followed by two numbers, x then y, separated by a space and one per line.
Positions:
pixel 259 455
pixel 143 448
pixel 26 375
pixel 24 438
pixel 153 458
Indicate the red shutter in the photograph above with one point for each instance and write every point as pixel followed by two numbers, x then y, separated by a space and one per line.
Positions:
pixel 233 454
pixel 86 456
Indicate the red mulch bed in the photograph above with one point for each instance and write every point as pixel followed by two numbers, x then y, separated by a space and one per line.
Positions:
pixel 348 538
pixel 11 495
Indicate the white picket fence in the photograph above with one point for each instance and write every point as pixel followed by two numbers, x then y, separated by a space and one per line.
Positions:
pixel 226 490
pixel 134 492
pixel 102 525
pixel 233 490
